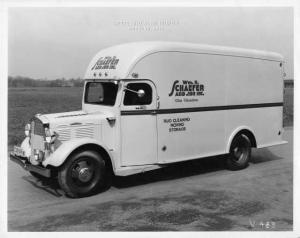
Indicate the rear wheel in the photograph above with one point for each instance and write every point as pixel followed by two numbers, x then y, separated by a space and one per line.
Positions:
pixel 240 153
pixel 83 174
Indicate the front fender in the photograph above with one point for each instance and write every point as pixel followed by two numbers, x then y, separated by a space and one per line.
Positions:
pixel 26 147
pixel 59 156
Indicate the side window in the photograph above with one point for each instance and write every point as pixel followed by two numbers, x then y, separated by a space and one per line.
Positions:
pixel 133 98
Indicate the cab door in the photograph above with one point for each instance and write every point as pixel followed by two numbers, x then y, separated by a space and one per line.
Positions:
pixel 138 124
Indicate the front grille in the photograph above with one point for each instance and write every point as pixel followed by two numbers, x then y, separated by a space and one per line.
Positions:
pixel 37 127
pixel 37 137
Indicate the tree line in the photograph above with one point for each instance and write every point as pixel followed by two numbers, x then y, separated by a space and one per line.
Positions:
pixel 19 82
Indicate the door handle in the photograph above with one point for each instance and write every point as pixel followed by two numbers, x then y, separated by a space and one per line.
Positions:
pixel 154 112
pixel 140 107
pixel 75 124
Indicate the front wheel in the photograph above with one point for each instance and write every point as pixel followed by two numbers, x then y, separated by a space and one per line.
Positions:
pixel 83 174
pixel 240 153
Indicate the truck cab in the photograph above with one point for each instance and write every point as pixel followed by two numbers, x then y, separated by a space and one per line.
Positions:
pixel 131 139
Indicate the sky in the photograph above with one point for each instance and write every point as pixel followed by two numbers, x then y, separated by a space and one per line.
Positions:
pixel 52 43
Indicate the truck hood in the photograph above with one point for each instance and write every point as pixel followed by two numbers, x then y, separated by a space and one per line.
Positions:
pixel 72 118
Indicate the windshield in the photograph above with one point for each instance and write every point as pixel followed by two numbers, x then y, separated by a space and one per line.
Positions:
pixel 102 93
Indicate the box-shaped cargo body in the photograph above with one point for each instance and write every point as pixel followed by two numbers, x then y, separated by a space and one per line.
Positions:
pixel 202 96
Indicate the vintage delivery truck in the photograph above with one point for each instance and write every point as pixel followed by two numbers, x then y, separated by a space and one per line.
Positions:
pixel 149 104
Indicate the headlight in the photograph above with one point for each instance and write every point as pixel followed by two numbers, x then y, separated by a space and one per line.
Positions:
pixel 27 129
pixel 50 136
pixel 38 155
pixel 47 135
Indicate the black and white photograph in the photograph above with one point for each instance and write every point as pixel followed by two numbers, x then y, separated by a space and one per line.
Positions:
pixel 150 119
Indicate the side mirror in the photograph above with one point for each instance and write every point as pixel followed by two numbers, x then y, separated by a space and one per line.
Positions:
pixel 141 93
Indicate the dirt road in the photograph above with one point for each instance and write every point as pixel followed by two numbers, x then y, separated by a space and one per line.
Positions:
pixel 198 195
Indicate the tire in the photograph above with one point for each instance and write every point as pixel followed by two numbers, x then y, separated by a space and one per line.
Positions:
pixel 240 153
pixel 83 174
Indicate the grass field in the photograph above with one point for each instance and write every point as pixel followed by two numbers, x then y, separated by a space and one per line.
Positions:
pixel 24 103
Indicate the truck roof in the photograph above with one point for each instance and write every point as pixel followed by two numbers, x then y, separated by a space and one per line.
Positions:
pixel 125 56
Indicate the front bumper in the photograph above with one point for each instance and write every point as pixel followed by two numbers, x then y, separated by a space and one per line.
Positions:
pixel 23 162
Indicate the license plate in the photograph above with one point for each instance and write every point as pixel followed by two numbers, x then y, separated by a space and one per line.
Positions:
pixel 19 151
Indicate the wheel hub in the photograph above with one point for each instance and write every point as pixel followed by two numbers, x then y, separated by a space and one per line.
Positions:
pixel 84 174
pixel 237 152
